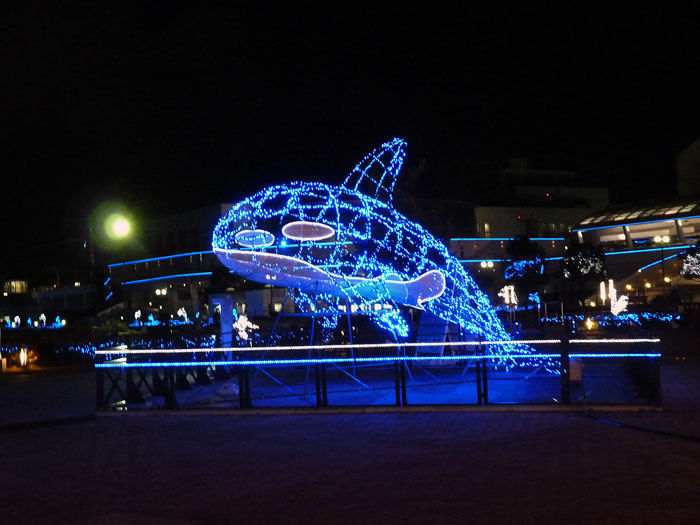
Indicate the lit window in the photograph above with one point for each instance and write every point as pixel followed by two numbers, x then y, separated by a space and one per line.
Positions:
pixel 277 307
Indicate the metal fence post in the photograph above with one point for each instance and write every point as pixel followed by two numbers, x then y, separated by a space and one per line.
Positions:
pixel 479 384
pixel 564 370
pixel 397 383
pixel 99 385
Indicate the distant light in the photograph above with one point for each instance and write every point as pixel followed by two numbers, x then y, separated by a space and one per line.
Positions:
pixel 592 303
pixel 589 323
pixel 667 279
pixel 117 226
pixel 657 238
pixel 665 238
pixel 647 285
pixel 157 291
pixel 483 264
pixel 63 322
pixel 489 264
pixel 76 283
pixel 164 291
pixel 628 287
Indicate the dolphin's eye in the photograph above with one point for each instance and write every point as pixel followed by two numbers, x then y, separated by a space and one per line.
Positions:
pixel 307 231
pixel 254 238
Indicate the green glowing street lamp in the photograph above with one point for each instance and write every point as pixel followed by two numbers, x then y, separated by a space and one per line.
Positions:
pixel 117 226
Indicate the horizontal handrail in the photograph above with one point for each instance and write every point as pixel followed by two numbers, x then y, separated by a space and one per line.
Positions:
pixel 154 351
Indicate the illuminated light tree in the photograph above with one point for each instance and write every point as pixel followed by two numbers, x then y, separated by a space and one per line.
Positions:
pixel 583 267
pixel 525 267
pixel 691 264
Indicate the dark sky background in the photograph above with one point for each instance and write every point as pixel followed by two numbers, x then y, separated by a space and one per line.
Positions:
pixel 167 107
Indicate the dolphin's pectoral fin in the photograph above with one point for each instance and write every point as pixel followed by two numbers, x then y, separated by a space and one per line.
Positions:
pixel 428 286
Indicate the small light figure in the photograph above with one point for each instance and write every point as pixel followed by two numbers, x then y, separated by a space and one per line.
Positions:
pixel 242 325
pixel 23 357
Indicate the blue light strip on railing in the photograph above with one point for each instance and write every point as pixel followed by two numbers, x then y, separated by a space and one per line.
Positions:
pixel 646 250
pixel 363 346
pixel 505 239
pixel 670 219
pixel 176 276
pixel 381 359
pixel 164 257
pixel 659 261
pixel 503 260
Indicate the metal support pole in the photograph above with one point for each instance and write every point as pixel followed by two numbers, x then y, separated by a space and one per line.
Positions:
pixel 100 388
pixel 564 370
pixel 479 391
pixel 479 378
pixel 397 383
pixel 404 400
pixel 324 382
pixel 170 399
pixel 484 377
pixel 319 399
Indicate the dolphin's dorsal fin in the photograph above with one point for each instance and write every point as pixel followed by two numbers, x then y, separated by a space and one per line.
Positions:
pixel 376 174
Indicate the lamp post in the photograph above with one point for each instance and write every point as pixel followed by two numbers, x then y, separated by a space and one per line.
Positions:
pixel 662 240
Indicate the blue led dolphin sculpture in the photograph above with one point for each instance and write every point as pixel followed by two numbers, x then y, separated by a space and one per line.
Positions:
pixel 349 242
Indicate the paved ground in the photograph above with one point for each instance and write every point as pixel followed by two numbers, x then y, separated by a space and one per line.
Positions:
pixel 368 468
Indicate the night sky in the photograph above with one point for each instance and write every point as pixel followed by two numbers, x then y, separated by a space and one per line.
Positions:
pixel 168 108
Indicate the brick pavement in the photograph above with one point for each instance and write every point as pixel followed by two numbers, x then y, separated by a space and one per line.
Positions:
pixel 370 468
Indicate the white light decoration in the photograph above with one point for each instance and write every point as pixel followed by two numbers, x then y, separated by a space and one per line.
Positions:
pixel 254 238
pixel 307 231
pixel 603 292
pixel 377 256
pixel 137 314
pixel 181 312
pixel 242 325
pixel 23 357
pixel 508 294
pixel 691 266
pixel 617 304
